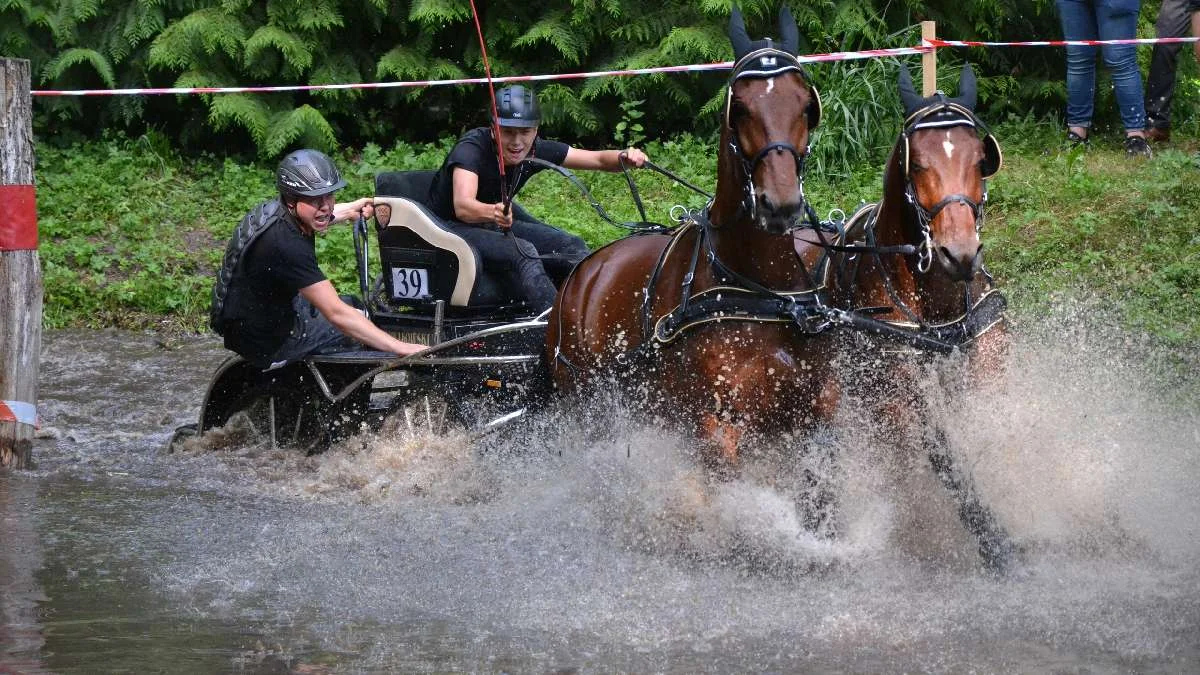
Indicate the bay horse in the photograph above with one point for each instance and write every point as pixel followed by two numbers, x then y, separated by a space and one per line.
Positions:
pixel 713 322
pixel 914 274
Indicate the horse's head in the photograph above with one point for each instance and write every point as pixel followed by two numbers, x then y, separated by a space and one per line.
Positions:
pixel 771 107
pixel 944 157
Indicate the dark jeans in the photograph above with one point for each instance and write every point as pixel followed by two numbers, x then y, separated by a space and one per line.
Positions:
pixel 1174 20
pixel 312 334
pixel 1103 20
pixel 516 256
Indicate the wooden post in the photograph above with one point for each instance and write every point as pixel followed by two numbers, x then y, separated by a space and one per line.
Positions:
pixel 20 270
pixel 928 60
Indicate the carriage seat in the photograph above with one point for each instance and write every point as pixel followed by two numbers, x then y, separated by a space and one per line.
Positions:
pixel 422 258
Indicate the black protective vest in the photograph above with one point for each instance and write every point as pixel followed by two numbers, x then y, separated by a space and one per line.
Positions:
pixel 250 229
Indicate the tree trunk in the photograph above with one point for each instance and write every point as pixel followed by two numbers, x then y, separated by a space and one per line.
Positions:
pixel 20 270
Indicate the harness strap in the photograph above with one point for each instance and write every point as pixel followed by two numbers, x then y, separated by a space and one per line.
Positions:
pixel 738 304
pixel 652 283
pixel 944 338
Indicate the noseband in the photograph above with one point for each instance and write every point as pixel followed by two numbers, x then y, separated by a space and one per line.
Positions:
pixel 944 114
pixel 759 64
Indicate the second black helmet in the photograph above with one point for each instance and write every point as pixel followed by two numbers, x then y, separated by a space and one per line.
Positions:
pixel 517 106
pixel 308 173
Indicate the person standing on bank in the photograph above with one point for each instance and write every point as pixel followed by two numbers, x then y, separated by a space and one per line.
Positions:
pixel 1103 20
pixel 466 193
pixel 1174 19
pixel 271 302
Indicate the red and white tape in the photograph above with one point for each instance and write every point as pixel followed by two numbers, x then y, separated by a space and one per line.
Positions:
pixel 18 411
pixel 726 65
pixel 926 46
pixel 1059 43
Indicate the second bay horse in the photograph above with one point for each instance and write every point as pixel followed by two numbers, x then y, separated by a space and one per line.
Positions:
pixel 914 275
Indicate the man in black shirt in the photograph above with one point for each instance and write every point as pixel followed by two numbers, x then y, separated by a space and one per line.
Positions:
pixel 271 301
pixel 466 194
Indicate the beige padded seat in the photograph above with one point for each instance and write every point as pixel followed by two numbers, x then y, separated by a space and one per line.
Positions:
pixel 409 214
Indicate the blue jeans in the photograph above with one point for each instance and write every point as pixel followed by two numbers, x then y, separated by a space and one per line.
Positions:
pixel 1102 20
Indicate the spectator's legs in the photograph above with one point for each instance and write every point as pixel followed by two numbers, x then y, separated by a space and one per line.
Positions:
pixel 1196 31
pixel 1160 84
pixel 1078 20
pixel 1116 20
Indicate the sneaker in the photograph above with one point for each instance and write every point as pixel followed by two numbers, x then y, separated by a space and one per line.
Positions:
pixel 1158 134
pixel 1136 146
pixel 1074 139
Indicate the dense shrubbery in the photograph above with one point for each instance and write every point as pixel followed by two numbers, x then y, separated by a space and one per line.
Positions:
pixel 131 233
pixel 93 43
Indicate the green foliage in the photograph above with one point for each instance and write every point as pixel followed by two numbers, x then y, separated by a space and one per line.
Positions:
pixel 629 131
pixel 297 53
pixel 1060 222
pixel 302 124
pixel 156 43
pixel 59 64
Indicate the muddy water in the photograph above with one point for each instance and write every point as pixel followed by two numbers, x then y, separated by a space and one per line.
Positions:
pixel 593 545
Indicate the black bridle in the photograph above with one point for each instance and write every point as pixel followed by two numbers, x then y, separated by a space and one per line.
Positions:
pixel 941 114
pixel 763 63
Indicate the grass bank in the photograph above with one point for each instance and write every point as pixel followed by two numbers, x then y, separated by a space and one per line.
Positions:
pixel 131 233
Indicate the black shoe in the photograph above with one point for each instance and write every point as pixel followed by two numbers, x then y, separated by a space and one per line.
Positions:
pixel 1136 146
pixel 1075 139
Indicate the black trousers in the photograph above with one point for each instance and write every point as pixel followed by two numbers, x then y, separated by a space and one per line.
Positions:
pixel 1174 20
pixel 311 334
pixel 518 255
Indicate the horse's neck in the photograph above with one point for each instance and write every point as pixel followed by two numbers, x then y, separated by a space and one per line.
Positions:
pixel 767 259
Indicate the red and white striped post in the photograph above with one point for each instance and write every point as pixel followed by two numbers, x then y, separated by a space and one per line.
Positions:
pixel 20 270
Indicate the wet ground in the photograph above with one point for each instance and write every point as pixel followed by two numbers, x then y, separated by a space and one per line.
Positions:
pixel 592 543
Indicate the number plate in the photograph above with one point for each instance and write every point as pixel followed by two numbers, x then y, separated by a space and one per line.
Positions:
pixel 410 283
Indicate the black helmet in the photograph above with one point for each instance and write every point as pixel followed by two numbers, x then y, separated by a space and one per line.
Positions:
pixel 517 106
pixel 307 173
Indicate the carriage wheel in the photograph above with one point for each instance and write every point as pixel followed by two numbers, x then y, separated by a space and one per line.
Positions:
pixel 283 420
pixel 429 413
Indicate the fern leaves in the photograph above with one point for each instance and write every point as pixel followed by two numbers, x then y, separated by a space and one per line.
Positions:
pixel 59 64
pixel 555 29
pixel 201 34
pixel 297 53
pixel 303 126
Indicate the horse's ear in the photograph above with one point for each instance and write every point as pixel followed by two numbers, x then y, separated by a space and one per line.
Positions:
pixel 789 33
pixel 908 95
pixel 967 88
pixel 738 35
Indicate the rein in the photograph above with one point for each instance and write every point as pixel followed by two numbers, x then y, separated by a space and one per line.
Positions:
pixel 505 198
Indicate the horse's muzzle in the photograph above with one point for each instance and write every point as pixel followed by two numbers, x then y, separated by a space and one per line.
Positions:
pixel 960 263
pixel 779 218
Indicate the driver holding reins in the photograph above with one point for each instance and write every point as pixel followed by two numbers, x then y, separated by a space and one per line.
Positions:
pixel 466 193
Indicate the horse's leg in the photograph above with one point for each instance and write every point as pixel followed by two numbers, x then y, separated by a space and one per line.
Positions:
pixel 820 500
pixel 995 546
pixel 723 435
pixel 988 359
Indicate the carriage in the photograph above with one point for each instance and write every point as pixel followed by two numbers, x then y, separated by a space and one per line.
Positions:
pixel 482 369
